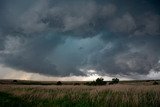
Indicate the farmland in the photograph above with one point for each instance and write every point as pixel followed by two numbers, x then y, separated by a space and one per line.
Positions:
pixel 47 94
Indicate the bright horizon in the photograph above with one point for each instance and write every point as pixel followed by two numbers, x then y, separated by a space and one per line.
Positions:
pixel 21 75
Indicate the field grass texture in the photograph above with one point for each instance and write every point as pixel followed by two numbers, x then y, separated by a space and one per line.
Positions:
pixel 118 95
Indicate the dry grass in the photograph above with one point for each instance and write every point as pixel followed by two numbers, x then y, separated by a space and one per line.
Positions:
pixel 103 96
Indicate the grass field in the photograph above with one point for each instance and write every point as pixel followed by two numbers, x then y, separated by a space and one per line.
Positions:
pixel 125 94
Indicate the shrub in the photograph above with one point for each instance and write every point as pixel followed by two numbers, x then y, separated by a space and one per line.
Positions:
pixel 93 83
pixel 59 83
pixel 87 83
pixel 155 83
pixel 115 80
pixel 76 83
pixel 100 81
pixel 147 80
pixel 111 83
pixel 15 81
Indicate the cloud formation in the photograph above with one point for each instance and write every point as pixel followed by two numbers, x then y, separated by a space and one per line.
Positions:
pixel 63 38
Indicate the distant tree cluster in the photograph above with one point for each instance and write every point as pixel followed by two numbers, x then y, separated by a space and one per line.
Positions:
pixel 99 81
pixel 155 83
pixel 76 83
pixel 114 81
pixel 15 81
pixel 59 83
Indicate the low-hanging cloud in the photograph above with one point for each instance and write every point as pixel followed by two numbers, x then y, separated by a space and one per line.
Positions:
pixel 61 38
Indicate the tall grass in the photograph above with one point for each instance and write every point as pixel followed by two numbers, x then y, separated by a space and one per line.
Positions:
pixel 83 96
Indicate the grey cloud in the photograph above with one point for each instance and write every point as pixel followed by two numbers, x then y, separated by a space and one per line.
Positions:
pixel 80 18
pixel 157 67
pixel 126 58
pixel 1 41
pixel 108 10
pixel 30 54
pixel 135 62
pixel 149 25
pixel 125 23
pixel 59 38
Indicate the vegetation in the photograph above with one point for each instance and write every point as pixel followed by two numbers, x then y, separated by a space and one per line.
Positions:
pixel 99 81
pixel 8 100
pixel 111 83
pixel 15 81
pixel 80 96
pixel 76 83
pixel 114 81
pixel 59 83
pixel 155 83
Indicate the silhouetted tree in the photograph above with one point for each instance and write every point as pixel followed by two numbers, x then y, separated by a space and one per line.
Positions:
pixel 93 83
pixel 155 83
pixel 15 81
pixel 76 83
pixel 147 80
pixel 114 81
pixel 59 83
pixel 100 81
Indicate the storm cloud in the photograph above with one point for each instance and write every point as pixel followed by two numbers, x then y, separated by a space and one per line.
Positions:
pixel 63 38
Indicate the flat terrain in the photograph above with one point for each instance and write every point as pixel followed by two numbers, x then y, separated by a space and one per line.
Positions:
pixel 46 94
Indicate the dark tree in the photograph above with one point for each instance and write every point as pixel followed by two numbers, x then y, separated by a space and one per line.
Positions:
pixel 93 83
pixel 15 81
pixel 76 83
pixel 100 81
pixel 115 80
pixel 59 83
pixel 155 83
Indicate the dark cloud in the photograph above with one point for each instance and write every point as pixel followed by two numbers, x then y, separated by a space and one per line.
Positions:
pixel 65 38
pixel 127 56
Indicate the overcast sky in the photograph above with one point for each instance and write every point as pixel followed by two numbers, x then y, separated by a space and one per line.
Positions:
pixel 79 39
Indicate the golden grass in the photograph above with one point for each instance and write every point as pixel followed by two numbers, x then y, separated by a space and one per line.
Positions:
pixel 109 95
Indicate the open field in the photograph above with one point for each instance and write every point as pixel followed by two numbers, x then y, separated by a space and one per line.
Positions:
pixel 124 94
pixel 27 82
